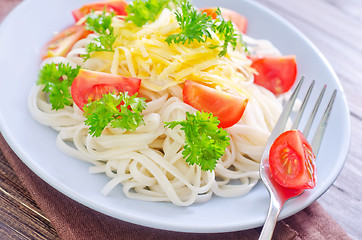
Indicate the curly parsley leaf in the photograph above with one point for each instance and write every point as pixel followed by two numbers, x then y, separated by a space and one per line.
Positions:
pixel 118 111
pixel 194 25
pixel 101 24
pixel 205 143
pixel 226 33
pixel 142 11
pixel 198 26
pixel 57 79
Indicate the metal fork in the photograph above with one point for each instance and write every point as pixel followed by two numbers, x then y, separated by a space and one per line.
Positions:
pixel 279 194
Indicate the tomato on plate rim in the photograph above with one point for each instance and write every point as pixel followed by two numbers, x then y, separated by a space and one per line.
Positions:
pixel 117 6
pixel 239 20
pixel 62 43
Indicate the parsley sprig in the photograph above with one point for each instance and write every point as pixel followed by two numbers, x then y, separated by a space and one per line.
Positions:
pixel 57 79
pixel 142 11
pixel 194 25
pixel 118 111
pixel 226 32
pixel 198 26
pixel 101 24
pixel 205 143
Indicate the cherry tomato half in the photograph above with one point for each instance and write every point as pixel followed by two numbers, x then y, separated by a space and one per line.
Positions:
pixel 91 86
pixel 276 74
pixel 227 107
pixel 292 161
pixel 63 42
pixel 239 20
pixel 117 6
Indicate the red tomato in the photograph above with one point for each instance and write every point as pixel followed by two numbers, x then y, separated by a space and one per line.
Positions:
pixel 292 162
pixel 90 86
pixel 117 6
pixel 239 20
pixel 277 74
pixel 227 107
pixel 63 42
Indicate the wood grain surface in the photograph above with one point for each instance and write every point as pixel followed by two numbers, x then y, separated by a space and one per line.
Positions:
pixel 335 27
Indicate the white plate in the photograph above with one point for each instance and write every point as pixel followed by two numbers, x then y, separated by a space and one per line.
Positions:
pixel 32 23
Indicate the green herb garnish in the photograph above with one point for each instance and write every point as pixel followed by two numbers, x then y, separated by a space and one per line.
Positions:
pixel 198 26
pixel 142 11
pixel 120 111
pixel 57 79
pixel 101 24
pixel 205 143
pixel 194 25
pixel 226 32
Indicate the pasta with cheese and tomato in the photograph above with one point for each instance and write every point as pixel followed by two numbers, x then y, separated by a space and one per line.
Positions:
pixel 147 163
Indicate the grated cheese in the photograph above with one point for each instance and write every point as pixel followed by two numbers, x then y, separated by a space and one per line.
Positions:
pixel 142 52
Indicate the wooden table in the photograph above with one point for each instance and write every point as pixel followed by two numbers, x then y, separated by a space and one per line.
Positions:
pixel 335 26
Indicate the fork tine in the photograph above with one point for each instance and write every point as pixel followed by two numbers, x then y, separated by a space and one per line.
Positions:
pixel 314 112
pixel 282 121
pixel 301 110
pixel 317 139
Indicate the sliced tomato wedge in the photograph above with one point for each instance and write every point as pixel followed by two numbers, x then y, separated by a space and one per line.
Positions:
pixel 276 74
pixel 117 6
pixel 90 86
pixel 239 20
pixel 227 107
pixel 292 161
pixel 63 42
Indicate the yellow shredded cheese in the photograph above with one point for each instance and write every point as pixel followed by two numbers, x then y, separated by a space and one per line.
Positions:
pixel 143 53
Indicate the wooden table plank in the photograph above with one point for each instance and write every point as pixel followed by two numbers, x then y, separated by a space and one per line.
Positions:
pixel 20 217
pixel 6 6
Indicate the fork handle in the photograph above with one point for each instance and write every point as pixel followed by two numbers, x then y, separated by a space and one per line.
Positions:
pixel 274 209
